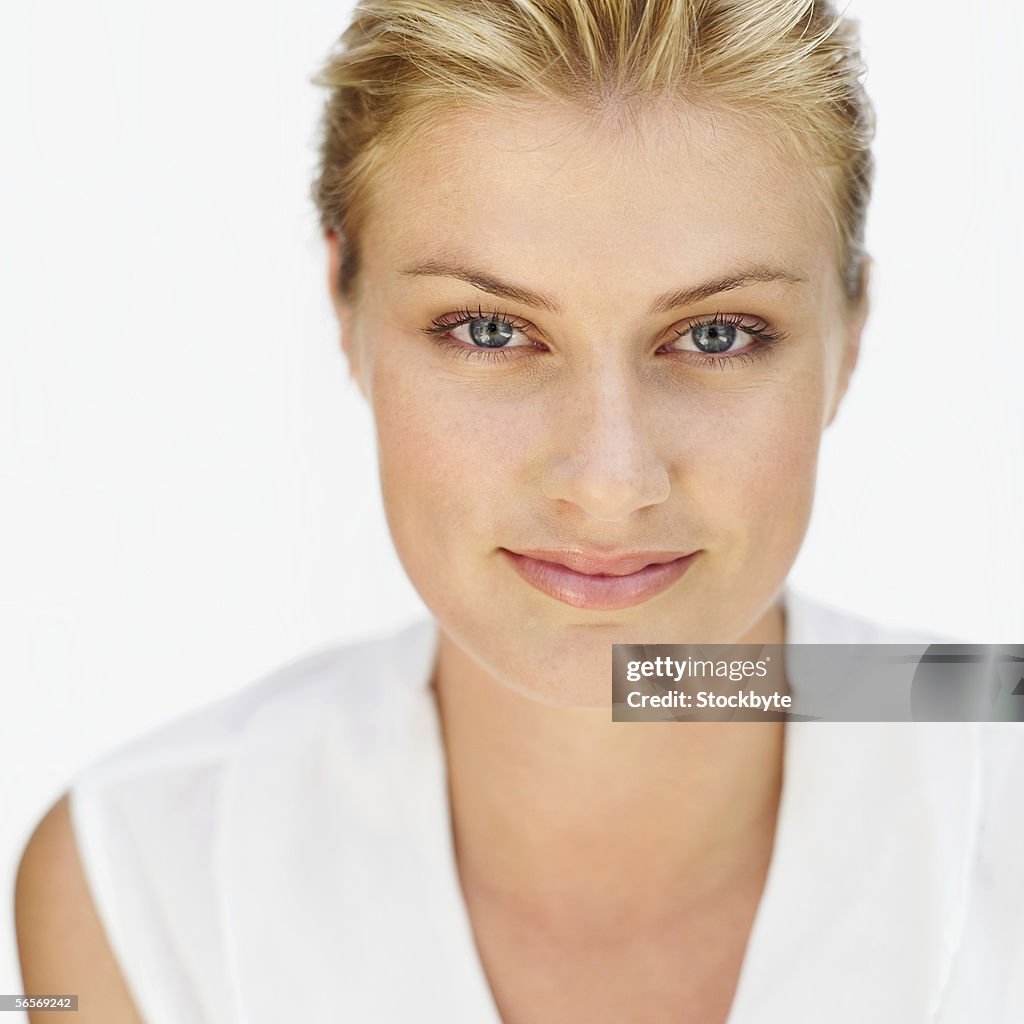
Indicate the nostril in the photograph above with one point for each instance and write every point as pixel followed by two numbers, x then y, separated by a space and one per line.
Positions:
pixel 605 492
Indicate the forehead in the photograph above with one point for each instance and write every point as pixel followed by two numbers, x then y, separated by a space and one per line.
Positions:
pixel 590 204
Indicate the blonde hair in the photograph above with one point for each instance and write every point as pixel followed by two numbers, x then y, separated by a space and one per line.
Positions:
pixel 792 65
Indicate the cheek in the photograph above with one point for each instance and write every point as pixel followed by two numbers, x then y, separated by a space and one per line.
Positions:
pixel 755 469
pixel 445 445
pixel 453 462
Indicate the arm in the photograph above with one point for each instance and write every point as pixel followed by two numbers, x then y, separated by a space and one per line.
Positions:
pixel 61 942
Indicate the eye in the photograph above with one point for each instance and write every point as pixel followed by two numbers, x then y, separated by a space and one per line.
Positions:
pixel 489 332
pixel 481 330
pixel 720 336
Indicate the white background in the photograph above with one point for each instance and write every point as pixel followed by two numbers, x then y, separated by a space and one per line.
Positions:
pixel 187 479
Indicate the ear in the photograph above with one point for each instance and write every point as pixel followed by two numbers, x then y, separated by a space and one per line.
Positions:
pixel 855 320
pixel 343 308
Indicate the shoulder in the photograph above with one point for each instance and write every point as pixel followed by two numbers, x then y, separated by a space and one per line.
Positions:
pixel 958 782
pixel 1001 754
pixel 810 620
pixel 987 978
pixel 201 741
pixel 155 800
pixel 61 942
pixel 136 837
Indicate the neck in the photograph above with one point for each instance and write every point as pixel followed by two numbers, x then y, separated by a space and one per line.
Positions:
pixel 600 828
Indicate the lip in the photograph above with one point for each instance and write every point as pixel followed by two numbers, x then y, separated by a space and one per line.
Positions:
pixel 600 582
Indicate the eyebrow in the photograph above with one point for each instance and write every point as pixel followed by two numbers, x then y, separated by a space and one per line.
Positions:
pixel 753 274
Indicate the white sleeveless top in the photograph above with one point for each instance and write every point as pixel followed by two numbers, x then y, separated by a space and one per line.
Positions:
pixel 285 854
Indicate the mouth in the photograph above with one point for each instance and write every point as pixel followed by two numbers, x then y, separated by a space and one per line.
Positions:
pixel 600 582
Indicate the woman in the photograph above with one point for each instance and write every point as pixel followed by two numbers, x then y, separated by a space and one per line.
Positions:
pixel 598 271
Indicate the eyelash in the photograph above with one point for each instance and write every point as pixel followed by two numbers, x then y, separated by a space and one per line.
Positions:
pixel 766 335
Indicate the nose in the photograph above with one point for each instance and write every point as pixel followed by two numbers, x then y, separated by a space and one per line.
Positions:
pixel 604 458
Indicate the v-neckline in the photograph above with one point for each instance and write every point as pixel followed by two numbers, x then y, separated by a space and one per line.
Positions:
pixel 844 853
pixel 335 857
pixel 483 1006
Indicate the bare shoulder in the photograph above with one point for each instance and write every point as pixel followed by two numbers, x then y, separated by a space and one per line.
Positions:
pixel 61 942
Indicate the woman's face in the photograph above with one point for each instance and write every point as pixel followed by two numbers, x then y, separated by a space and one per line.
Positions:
pixel 638 336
